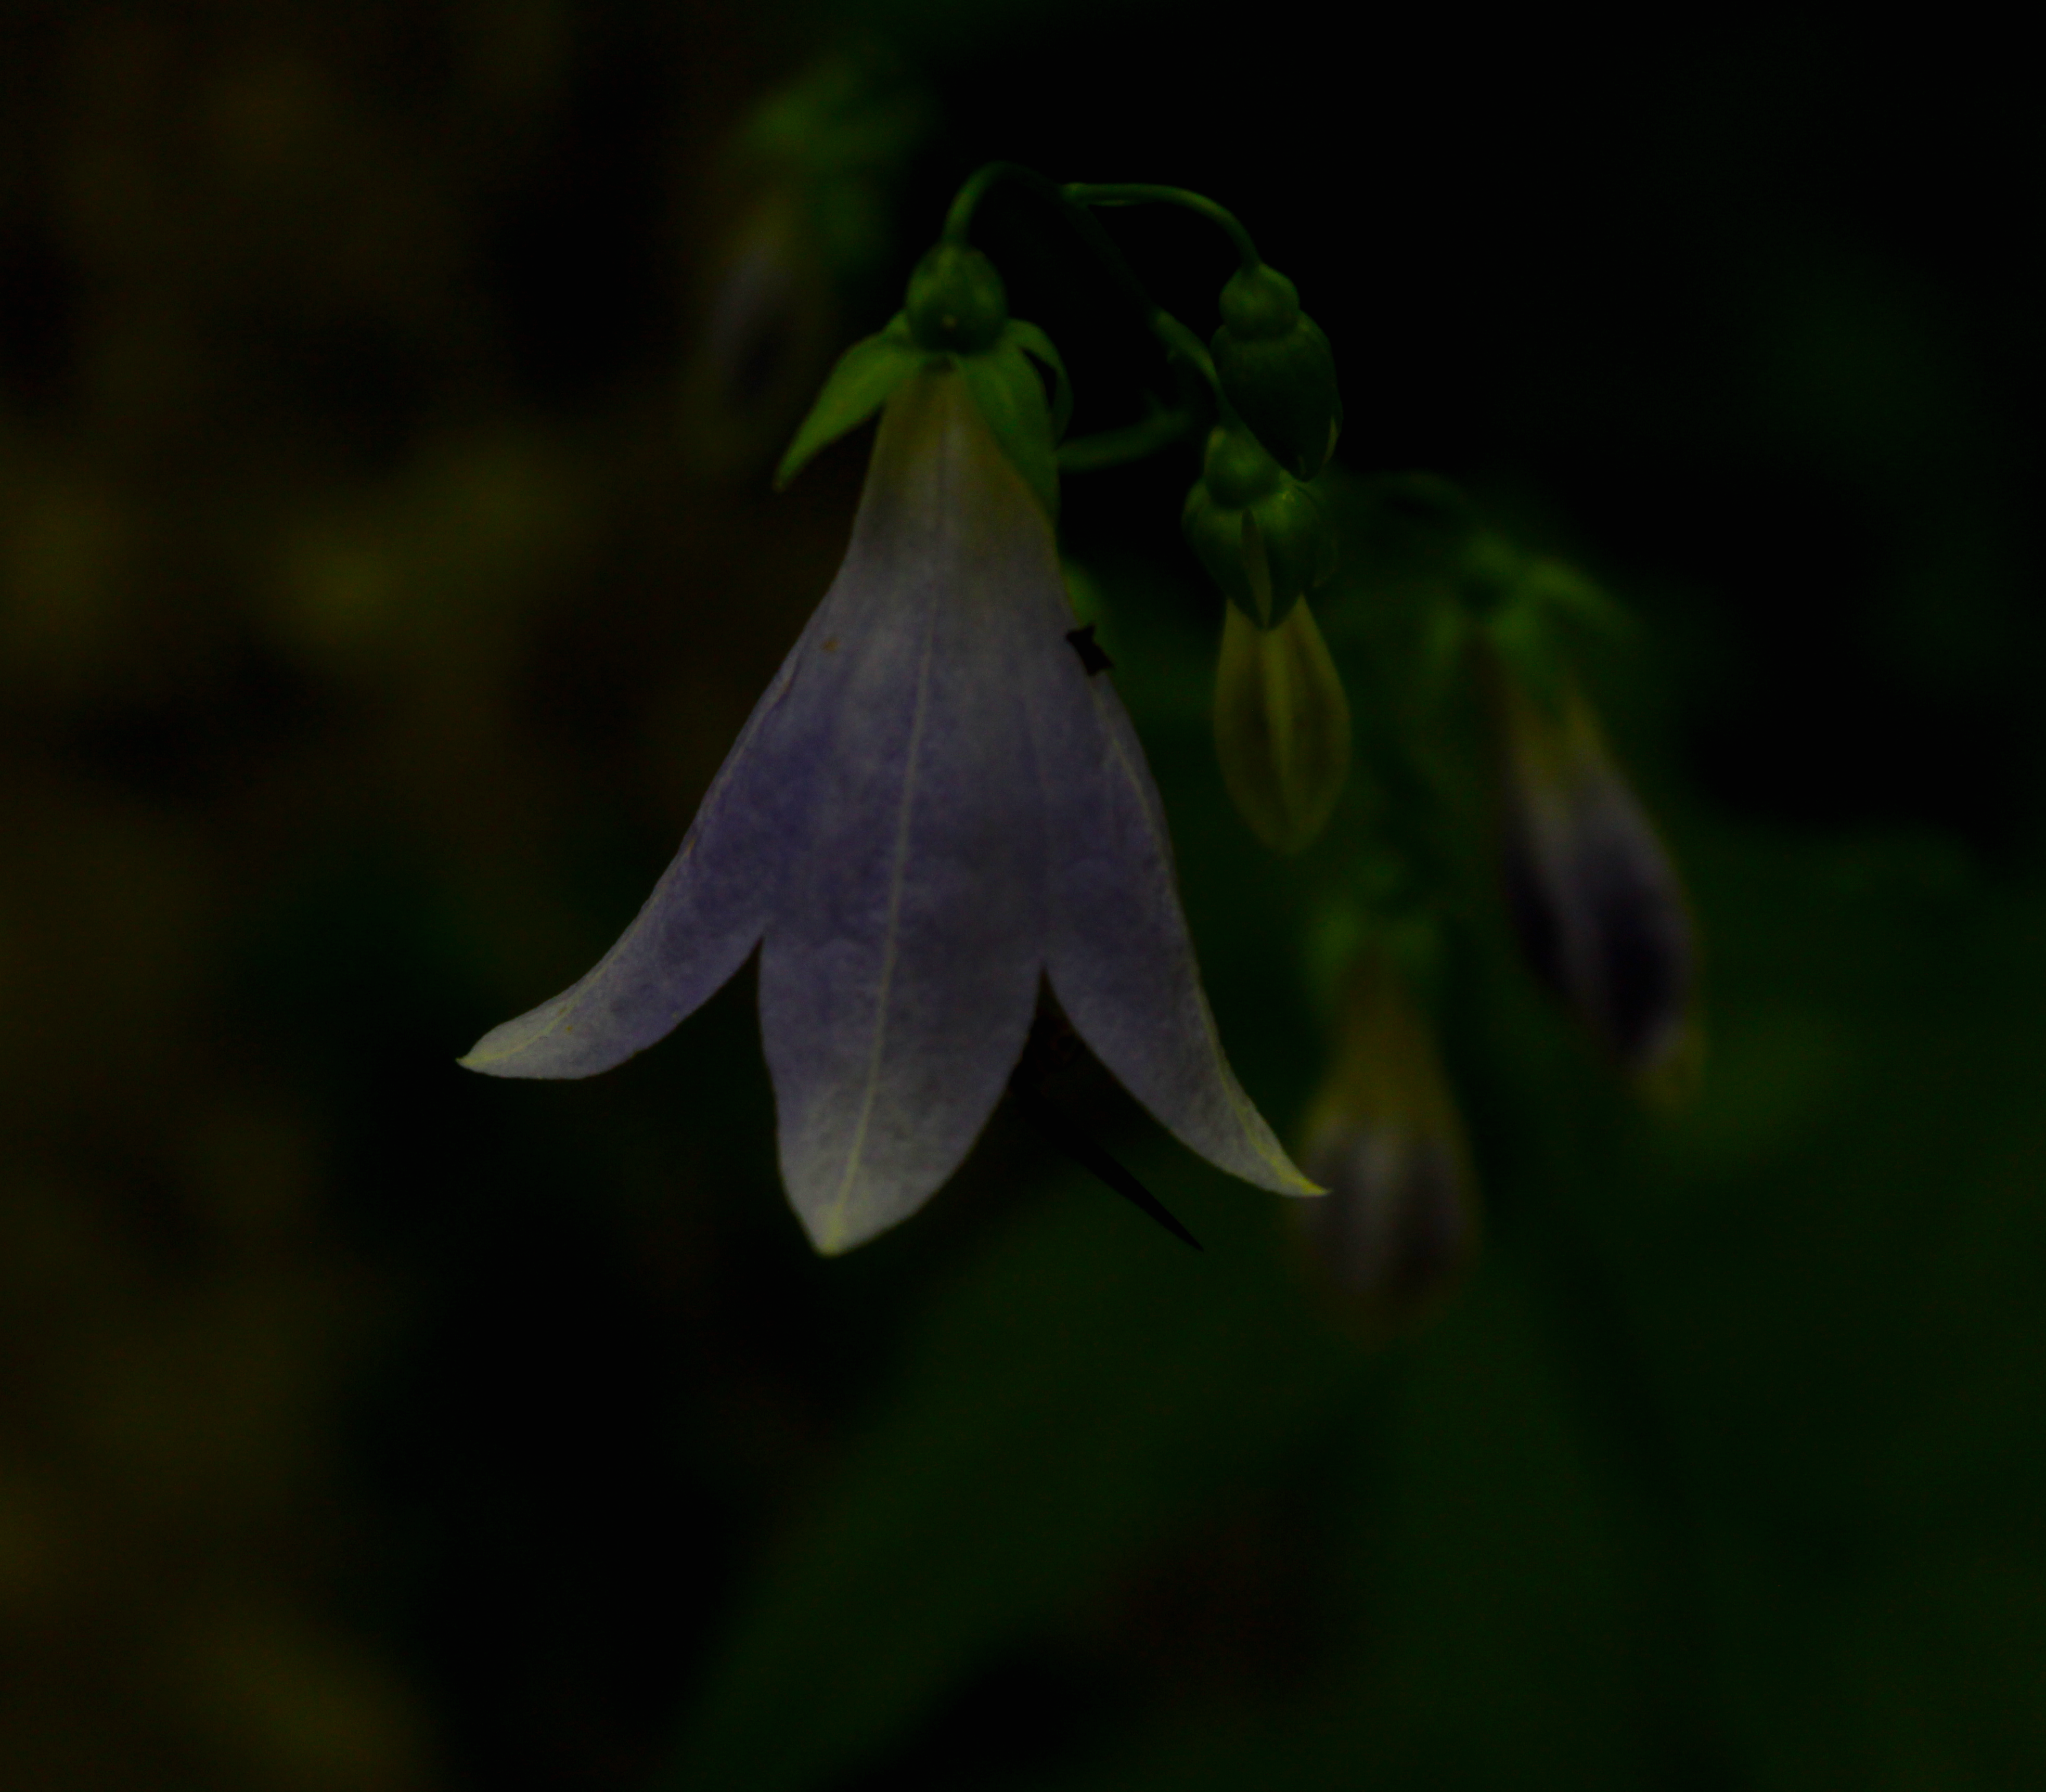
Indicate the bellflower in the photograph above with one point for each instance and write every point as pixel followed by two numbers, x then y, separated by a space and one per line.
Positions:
pixel 935 807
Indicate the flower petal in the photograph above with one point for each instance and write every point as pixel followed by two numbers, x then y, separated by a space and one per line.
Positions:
pixel 711 906
pixel 1120 959
pixel 900 968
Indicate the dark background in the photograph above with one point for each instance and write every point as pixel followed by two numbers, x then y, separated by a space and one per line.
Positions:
pixel 378 592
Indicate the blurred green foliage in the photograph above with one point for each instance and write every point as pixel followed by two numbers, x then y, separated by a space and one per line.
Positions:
pixel 373 609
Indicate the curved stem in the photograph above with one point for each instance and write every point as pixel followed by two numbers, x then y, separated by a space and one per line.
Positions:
pixel 1117 447
pixel 1178 341
pixel 1082 193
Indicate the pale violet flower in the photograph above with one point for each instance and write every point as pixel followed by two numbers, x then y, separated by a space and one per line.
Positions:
pixel 934 807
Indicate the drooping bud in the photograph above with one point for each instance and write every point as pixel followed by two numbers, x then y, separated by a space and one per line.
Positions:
pixel 1278 370
pixel 1594 898
pixel 766 336
pixel 956 300
pixel 1260 532
pixel 1399 1221
pixel 799 210
pixel 1282 726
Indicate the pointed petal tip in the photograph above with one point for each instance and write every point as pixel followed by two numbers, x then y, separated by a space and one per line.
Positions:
pixel 486 1062
pixel 831 1236
pixel 536 1044
pixel 1286 1179
pixel 1254 1153
pixel 504 1041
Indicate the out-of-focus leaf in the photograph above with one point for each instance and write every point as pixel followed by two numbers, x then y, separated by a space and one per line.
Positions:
pixel 1071 1401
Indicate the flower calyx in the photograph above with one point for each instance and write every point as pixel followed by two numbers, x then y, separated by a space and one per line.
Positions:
pixel 1276 368
pixel 1259 531
pixel 955 313
pixel 955 301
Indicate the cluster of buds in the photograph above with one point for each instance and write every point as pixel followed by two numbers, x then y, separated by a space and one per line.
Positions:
pixel 1282 721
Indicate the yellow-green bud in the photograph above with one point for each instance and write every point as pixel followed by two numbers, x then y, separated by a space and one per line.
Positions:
pixel 1282 726
pixel 955 301
pixel 1278 370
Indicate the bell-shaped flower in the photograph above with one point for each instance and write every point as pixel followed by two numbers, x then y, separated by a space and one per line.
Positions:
pixel 935 805
pixel 1399 1221
pixel 1594 897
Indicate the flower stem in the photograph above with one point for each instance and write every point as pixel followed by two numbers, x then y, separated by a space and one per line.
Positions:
pixel 1082 193
pixel 1118 447
pixel 1180 344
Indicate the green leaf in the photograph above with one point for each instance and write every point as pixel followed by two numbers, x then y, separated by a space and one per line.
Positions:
pixel 1011 398
pixel 1076 1397
pixel 1034 343
pixel 866 376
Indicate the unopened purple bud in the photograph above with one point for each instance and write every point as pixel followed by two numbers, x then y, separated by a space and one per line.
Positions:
pixel 1399 1222
pixel 766 339
pixel 1594 897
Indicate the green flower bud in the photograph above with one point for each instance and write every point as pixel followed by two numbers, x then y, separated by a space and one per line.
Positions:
pixel 1282 726
pixel 1277 369
pixel 956 301
pixel 1259 304
pixel 1260 532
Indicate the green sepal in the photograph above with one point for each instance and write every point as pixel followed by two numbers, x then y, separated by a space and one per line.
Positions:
pixel 1214 532
pixel 1011 398
pixel 1036 344
pixel 1260 532
pixel 864 378
pixel 1294 545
